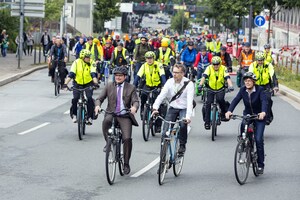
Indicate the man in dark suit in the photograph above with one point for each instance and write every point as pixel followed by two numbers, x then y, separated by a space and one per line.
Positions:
pixel 120 95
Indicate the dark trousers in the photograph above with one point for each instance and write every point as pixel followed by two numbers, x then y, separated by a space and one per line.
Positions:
pixel 172 115
pixel 210 99
pixel 90 101
pixel 199 73
pixel 126 128
pixel 29 49
pixel 45 49
pixel 137 67
pixel 259 139
pixel 61 69
pixel 268 92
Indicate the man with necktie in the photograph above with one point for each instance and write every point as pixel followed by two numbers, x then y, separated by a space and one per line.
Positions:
pixel 120 95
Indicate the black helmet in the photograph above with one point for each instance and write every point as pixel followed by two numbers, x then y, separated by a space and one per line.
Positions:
pixel 202 48
pixel 267 46
pixel 223 48
pixel 190 43
pixel 249 75
pixel 120 70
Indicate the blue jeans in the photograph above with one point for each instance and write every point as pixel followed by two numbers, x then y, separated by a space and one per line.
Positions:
pixel 137 67
pixel 199 73
pixel 172 115
pixel 259 139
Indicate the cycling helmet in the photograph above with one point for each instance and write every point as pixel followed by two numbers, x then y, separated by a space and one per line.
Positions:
pixel 259 56
pixel 120 70
pixel 267 46
pixel 164 43
pixel 96 41
pixel 108 41
pixel 223 48
pixel 190 43
pixel 90 38
pixel 216 60
pixel 249 75
pixel 120 44
pixel 247 44
pixel 203 48
pixel 84 53
pixel 150 54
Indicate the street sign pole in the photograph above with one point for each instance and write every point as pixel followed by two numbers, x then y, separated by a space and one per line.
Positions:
pixel 20 47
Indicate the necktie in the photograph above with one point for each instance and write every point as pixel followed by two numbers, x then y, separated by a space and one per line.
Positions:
pixel 118 106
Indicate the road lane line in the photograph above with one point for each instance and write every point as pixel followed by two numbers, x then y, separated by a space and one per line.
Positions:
pixel 67 112
pixel 152 164
pixel 145 169
pixel 34 128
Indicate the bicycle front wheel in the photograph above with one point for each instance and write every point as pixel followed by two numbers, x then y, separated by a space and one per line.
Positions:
pixel 146 124
pixel 110 161
pixel 163 162
pixel 80 122
pixel 120 157
pixel 214 123
pixel 178 160
pixel 241 162
pixel 56 84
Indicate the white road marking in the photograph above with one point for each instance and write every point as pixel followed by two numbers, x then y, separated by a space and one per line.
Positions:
pixel 152 164
pixel 67 112
pixel 34 128
pixel 145 169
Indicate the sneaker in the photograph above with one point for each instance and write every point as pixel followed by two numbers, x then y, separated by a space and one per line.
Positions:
pixel 207 126
pixel 181 149
pixel 74 119
pixel 126 169
pixel 89 121
pixel 260 170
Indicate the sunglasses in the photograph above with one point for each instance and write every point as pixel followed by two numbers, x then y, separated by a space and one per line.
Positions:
pixel 149 58
pixel 260 60
pixel 216 64
pixel 143 40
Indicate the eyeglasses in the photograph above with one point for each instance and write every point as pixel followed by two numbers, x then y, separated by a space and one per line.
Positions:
pixel 260 60
pixel 216 64
pixel 143 40
pixel 149 58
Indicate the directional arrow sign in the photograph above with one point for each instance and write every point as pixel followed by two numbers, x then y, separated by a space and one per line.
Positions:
pixel 259 20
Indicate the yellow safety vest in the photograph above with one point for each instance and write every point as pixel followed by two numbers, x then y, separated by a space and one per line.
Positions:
pixel 152 73
pixel 92 50
pixel 82 71
pixel 262 73
pixel 214 82
pixel 123 53
pixel 164 58
pixel 268 57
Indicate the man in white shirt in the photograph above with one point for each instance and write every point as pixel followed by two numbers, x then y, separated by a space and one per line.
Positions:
pixel 182 106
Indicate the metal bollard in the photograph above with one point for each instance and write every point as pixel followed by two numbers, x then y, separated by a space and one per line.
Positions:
pixel 34 55
pixel 39 54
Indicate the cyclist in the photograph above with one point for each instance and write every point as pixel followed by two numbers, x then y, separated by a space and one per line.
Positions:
pixel 226 59
pixel 129 45
pixel 270 57
pixel 203 60
pixel 188 56
pixel 181 44
pixel 78 47
pixel 247 56
pixel 139 54
pixel 117 103
pixel 265 77
pixel 154 75
pixel 165 56
pixel 217 47
pixel 255 102
pixel 83 72
pixel 58 52
pixel 120 57
pixel 216 74
pixel 181 107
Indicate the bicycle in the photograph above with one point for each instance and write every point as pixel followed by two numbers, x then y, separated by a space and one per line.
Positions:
pixel 81 110
pixel 245 152
pixel 148 121
pixel 169 155
pixel 114 148
pixel 105 75
pixel 57 79
pixel 215 118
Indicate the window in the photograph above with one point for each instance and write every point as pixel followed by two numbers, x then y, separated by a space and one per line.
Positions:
pixel 69 1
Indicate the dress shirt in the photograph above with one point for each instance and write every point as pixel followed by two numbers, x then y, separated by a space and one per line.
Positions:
pixel 185 101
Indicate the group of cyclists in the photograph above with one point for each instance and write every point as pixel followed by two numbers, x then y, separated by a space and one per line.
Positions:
pixel 162 63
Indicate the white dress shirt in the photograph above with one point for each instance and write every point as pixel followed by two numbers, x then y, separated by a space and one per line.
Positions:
pixel 185 101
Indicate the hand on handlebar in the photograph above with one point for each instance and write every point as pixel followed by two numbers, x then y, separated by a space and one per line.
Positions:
pixel 200 88
pixel 154 113
pixel 97 110
pixel 261 115
pixel 228 114
pixel 231 89
pixel 65 87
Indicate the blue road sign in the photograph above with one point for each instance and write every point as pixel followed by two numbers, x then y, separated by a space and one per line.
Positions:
pixel 241 32
pixel 259 20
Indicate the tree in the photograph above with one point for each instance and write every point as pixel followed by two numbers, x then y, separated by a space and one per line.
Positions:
pixel 53 9
pixel 179 22
pixel 104 10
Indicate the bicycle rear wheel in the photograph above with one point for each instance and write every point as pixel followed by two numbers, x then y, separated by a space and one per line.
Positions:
pixel 163 162
pixel 120 157
pixel 146 124
pixel 178 160
pixel 241 162
pixel 110 161
pixel 214 123
pixel 80 122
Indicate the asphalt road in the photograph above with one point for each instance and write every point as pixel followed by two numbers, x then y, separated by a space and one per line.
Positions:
pixel 42 158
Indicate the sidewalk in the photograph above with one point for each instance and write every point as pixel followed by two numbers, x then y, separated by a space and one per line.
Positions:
pixel 9 68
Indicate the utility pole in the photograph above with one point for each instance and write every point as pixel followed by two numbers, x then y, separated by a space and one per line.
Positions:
pixel 20 47
pixel 288 29
pixel 250 24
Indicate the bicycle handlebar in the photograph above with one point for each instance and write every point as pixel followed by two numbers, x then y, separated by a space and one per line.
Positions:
pixel 246 117
pixel 114 113
pixel 170 122
pixel 81 90
pixel 147 91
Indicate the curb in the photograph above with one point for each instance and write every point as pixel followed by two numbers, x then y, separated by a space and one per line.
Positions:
pixel 292 94
pixel 20 75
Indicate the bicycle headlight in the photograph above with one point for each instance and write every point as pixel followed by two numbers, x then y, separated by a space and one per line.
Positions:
pixel 110 131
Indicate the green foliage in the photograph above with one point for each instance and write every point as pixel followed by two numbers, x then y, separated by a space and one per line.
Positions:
pixel 104 10
pixel 53 9
pixel 288 78
pixel 179 21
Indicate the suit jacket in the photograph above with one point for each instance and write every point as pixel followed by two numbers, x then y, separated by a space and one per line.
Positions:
pixel 130 98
